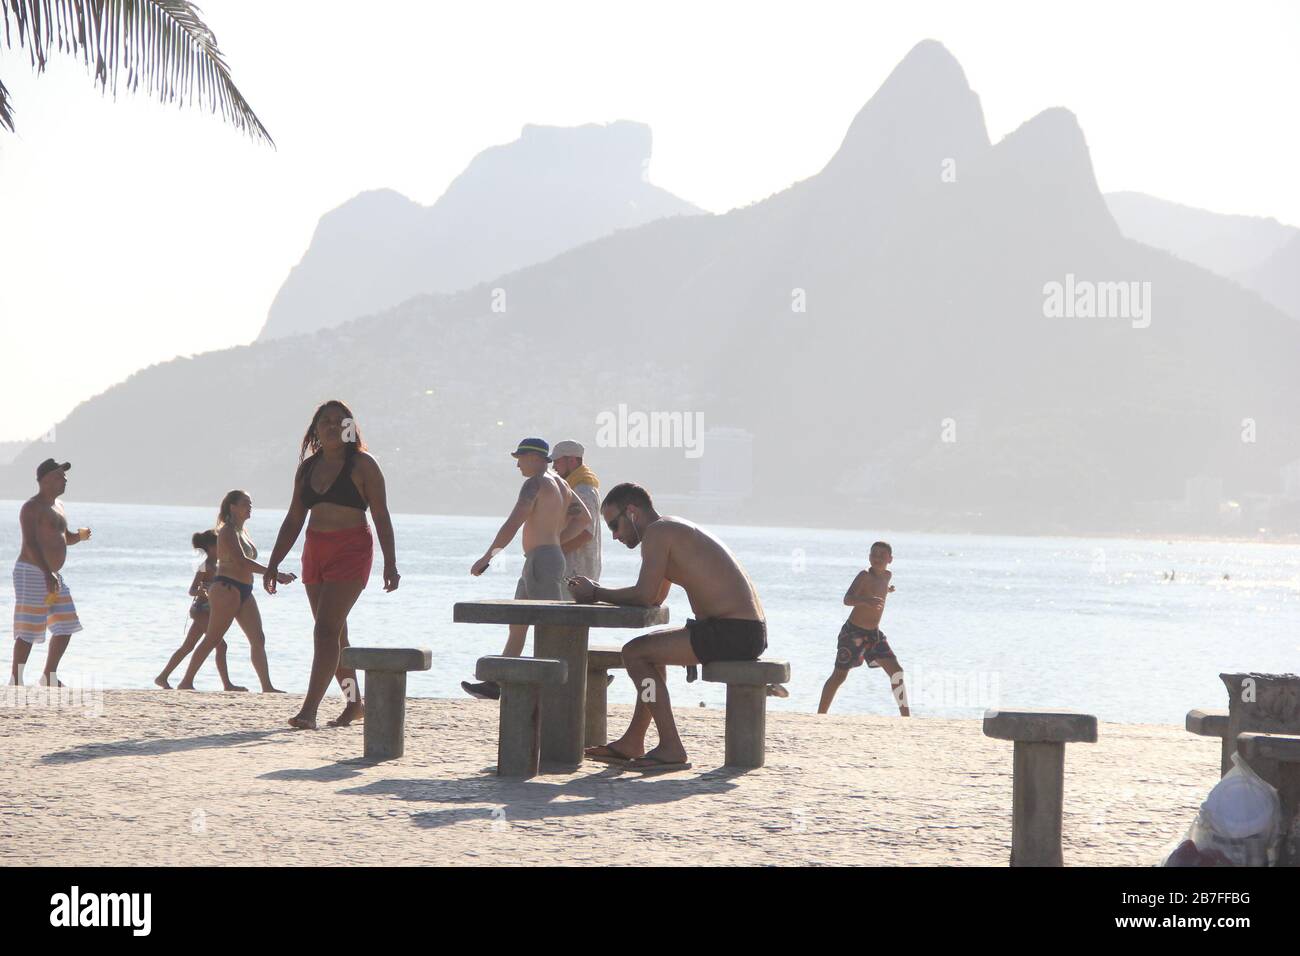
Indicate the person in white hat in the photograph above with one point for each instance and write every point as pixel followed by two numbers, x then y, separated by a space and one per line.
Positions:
pixel 550 514
pixel 581 553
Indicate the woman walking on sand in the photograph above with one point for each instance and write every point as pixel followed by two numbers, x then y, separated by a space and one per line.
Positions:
pixel 200 609
pixel 231 594
pixel 334 486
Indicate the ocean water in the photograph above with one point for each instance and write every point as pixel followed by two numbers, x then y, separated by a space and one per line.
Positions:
pixel 976 620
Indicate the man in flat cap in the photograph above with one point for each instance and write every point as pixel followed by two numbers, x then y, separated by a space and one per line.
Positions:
pixel 550 514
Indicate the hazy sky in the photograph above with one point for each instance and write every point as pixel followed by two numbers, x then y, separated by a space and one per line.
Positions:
pixel 131 232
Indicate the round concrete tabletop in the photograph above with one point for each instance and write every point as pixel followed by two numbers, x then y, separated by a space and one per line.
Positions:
pixel 557 614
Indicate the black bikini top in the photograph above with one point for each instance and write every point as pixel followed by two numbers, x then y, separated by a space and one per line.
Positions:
pixel 343 492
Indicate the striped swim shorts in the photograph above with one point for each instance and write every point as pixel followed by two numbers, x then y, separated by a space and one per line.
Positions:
pixel 32 614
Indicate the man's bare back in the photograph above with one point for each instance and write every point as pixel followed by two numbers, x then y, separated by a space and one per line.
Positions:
pixel 44 525
pixel 714 582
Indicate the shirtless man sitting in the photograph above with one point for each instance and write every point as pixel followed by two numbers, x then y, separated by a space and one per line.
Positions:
pixel 41 598
pixel 729 623
pixel 550 514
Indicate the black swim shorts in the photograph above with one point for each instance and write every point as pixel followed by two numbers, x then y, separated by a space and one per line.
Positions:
pixel 727 639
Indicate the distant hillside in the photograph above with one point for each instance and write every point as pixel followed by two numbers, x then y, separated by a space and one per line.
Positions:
pixel 9 450
pixel 882 329
pixel 514 205
pixel 1249 249
pixel 1277 278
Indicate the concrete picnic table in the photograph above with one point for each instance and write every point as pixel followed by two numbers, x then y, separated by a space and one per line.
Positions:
pixel 560 632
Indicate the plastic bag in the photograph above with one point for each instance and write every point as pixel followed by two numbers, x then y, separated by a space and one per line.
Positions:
pixel 1239 823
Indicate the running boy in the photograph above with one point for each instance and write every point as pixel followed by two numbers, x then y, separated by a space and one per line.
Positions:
pixel 861 638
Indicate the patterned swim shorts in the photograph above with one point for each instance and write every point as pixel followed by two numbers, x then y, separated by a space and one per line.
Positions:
pixel 857 644
pixel 32 614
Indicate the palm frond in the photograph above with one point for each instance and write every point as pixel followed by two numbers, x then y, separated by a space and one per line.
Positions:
pixel 6 111
pixel 160 45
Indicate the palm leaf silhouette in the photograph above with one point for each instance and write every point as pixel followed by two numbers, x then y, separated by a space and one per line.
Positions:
pixel 160 45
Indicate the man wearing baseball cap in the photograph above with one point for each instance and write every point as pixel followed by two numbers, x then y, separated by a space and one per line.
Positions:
pixel 41 598
pixel 550 514
pixel 582 552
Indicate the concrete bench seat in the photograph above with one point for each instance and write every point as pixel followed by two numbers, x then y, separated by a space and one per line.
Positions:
pixel 1038 775
pixel 1207 723
pixel 747 683
pixel 1276 758
pixel 519 736
pixel 384 729
pixel 1213 723
pixel 600 661
pixel 604 658
pixel 1283 748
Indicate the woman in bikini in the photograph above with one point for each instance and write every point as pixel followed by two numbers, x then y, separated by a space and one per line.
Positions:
pixel 231 592
pixel 205 541
pixel 334 487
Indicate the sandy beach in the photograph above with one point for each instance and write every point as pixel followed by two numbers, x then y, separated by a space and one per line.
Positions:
pixel 170 778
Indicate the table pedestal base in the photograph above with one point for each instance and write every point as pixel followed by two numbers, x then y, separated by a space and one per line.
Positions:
pixel 563 705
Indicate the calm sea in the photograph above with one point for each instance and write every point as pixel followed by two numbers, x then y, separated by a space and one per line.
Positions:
pixel 1092 624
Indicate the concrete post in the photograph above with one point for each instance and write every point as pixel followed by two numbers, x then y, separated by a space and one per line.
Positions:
pixel 600 661
pixel 1037 802
pixel 1213 723
pixel 746 725
pixel 595 728
pixel 519 737
pixel 565 704
pixel 1038 776
pixel 384 729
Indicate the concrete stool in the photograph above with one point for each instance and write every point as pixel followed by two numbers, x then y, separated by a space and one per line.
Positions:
pixel 600 661
pixel 1276 758
pixel 519 737
pixel 1213 723
pixel 384 729
pixel 1038 781
pixel 746 705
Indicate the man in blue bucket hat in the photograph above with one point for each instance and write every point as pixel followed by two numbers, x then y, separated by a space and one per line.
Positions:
pixel 550 514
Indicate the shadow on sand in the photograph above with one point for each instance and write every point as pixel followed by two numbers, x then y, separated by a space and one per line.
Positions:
pixel 329 773
pixel 159 745
pixel 518 801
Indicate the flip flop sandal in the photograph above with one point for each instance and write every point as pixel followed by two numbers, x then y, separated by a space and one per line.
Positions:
pixel 612 757
pixel 655 765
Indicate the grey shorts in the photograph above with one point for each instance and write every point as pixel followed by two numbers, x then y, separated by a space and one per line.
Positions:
pixel 543 577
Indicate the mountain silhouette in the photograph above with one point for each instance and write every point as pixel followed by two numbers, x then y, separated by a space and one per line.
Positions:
pixel 551 189
pixel 882 329
pixel 1262 254
pixel 1277 278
